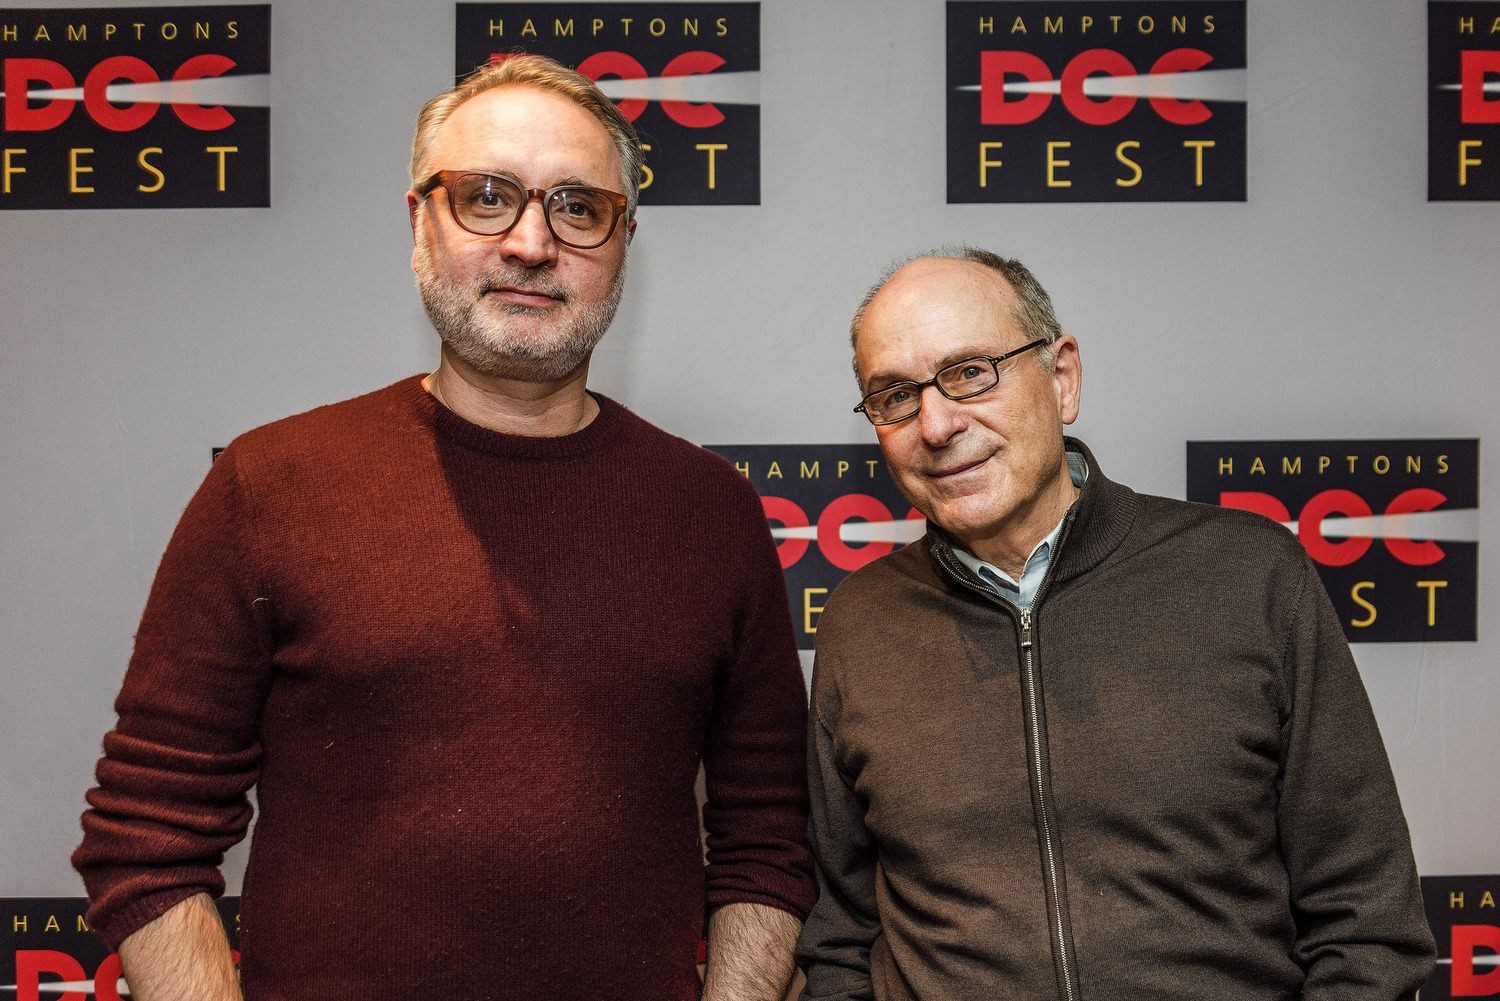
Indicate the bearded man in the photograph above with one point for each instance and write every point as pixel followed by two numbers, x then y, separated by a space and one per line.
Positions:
pixel 454 633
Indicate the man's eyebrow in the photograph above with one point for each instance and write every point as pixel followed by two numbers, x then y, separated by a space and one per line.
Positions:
pixel 882 379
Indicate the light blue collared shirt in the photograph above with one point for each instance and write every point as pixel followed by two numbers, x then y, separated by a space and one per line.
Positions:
pixel 1021 593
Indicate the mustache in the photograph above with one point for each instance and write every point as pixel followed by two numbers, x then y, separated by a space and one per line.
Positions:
pixel 534 279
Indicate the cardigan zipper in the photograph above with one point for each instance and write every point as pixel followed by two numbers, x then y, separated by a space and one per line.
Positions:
pixel 1051 850
pixel 1038 762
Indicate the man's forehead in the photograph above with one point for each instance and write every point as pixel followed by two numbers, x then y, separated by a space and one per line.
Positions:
pixel 519 126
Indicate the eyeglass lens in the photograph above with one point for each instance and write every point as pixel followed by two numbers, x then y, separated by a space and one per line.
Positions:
pixel 487 205
pixel 967 378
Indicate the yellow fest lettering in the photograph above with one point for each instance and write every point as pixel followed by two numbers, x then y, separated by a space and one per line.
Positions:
pixel 809 609
pixel 1368 620
pixel 161 179
pixel 1053 163
pixel 647 174
pixel 221 150
pixel 711 149
pixel 1465 161
pixel 8 168
pixel 75 168
pixel 985 163
pixel 1198 146
pixel 1127 161
pixel 1432 590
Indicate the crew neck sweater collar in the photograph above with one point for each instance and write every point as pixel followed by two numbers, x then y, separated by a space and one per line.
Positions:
pixel 598 434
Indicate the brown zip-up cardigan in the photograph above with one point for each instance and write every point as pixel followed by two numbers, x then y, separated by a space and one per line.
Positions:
pixel 1163 782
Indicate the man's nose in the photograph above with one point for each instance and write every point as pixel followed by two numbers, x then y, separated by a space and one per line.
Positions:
pixel 940 418
pixel 529 241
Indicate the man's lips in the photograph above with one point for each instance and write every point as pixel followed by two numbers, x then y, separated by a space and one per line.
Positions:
pixel 525 296
pixel 958 470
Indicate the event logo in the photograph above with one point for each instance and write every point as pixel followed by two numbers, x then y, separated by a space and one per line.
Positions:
pixel 136 107
pixel 832 508
pixel 686 74
pixel 1096 102
pixel 1463 100
pixel 1392 525
pixel 1465 921
pixel 50 950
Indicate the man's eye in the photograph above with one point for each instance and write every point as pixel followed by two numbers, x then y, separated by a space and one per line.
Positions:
pixel 896 397
pixel 969 372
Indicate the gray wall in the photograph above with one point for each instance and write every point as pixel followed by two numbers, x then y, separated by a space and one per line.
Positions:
pixel 1336 302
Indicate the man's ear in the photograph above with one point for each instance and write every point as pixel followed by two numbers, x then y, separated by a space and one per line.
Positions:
pixel 1067 377
pixel 413 202
pixel 629 232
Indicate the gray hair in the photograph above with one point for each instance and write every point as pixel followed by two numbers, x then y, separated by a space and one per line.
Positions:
pixel 1032 312
pixel 536 71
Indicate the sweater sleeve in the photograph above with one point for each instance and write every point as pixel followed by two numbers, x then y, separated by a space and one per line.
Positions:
pixel 754 751
pixel 172 785
pixel 835 945
pixel 1361 930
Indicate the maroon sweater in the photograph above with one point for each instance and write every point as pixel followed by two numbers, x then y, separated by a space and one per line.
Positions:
pixel 473 676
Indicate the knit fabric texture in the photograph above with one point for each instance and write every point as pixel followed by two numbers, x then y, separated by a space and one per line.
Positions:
pixel 471 676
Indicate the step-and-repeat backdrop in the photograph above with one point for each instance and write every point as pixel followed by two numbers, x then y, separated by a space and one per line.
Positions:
pixel 1273 227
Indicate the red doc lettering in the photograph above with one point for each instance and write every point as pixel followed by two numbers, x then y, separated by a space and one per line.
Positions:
pixel 196 116
pixel 1088 111
pixel 1474 67
pixel 610 63
pixel 1254 500
pixel 1417 554
pixel 1175 111
pixel 994 109
pixel 107 979
pixel 839 553
pixel 791 516
pixel 1310 527
pixel 32 963
pixel 96 84
pixel 19 115
pixel 1467 983
pixel 694 116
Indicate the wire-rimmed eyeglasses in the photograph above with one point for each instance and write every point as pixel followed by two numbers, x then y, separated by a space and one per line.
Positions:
pixel 959 381
pixel 491 204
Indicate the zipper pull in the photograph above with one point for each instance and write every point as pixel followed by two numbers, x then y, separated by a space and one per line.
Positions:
pixel 1026 629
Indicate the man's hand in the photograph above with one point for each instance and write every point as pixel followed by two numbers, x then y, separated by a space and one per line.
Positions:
pixel 181 956
pixel 749 953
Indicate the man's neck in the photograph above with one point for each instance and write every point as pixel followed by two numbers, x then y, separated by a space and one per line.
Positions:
pixel 1010 547
pixel 511 406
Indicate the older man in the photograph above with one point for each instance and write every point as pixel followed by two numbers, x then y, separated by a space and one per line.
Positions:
pixel 1079 742
pixel 456 632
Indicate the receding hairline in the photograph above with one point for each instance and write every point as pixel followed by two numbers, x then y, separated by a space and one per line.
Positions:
pixel 512 87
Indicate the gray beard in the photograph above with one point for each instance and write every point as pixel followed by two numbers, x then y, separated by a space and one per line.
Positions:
pixel 487 343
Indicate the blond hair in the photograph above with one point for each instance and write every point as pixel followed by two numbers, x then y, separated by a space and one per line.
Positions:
pixel 534 71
